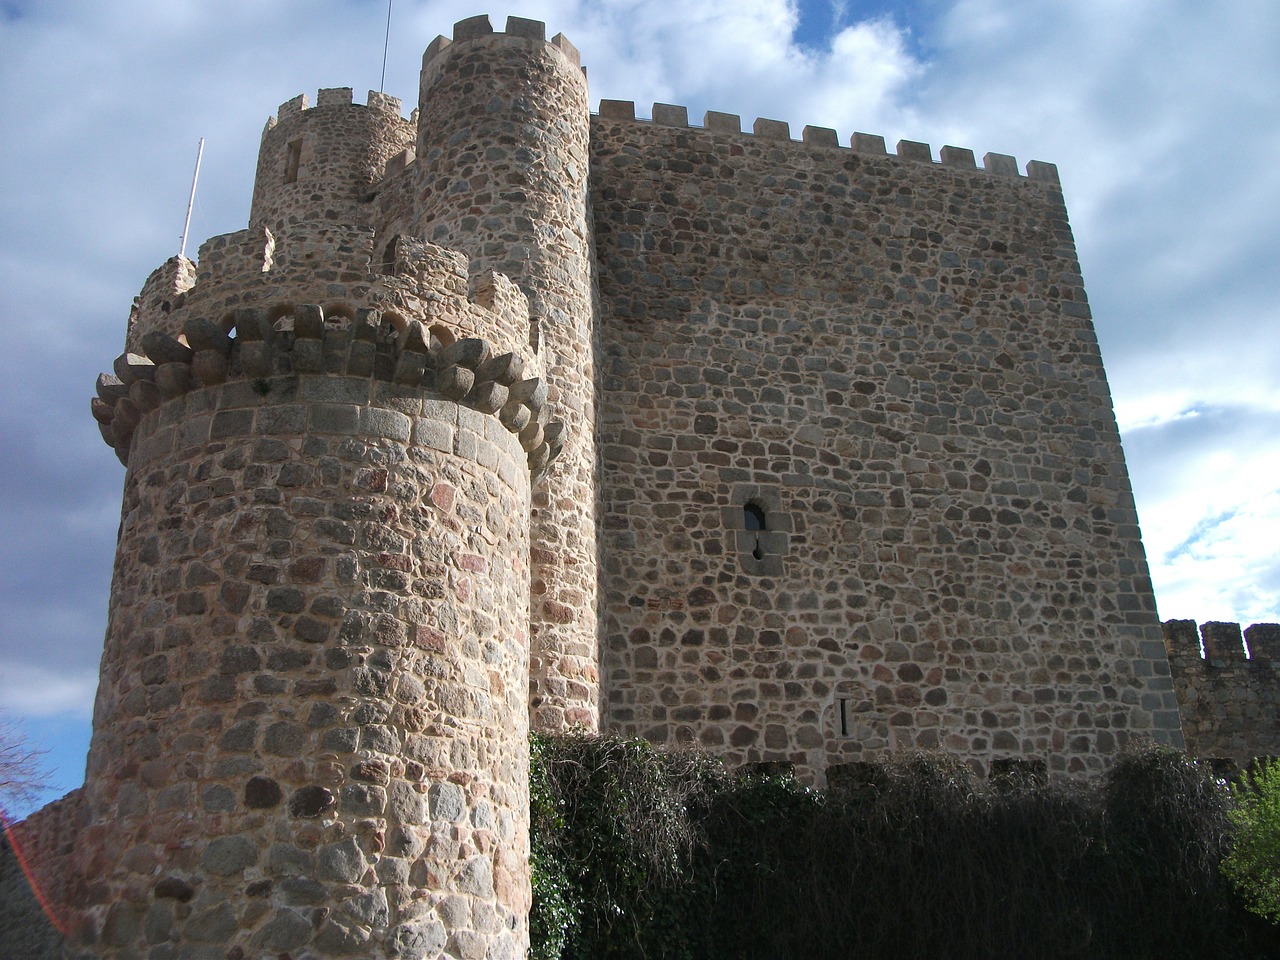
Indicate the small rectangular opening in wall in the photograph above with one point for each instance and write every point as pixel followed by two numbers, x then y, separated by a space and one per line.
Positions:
pixel 292 161
pixel 842 715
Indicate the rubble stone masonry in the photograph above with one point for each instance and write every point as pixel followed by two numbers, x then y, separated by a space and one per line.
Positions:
pixel 310 730
pixel 893 361
pixel 1228 693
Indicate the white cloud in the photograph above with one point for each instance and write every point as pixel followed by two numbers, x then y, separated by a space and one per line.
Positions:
pixel 30 690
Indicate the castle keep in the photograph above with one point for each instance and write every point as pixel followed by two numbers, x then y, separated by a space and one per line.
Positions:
pixel 510 414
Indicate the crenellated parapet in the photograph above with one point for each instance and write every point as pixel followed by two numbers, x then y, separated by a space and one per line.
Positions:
pixel 518 28
pixel 341 266
pixel 715 122
pixel 263 344
pixel 164 290
pixel 1228 686
pixel 1218 645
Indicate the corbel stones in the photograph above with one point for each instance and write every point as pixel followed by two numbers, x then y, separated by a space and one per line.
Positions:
pixel 465 371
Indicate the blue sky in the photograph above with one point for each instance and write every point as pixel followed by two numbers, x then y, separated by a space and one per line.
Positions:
pixel 1160 115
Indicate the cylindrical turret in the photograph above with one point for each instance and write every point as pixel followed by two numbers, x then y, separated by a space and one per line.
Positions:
pixel 502 174
pixel 310 736
pixel 319 163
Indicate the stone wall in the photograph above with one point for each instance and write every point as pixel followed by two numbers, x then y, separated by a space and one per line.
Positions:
pixel 408 279
pixel 1228 695
pixel 43 847
pixel 25 928
pixel 859 489
pixel 893 361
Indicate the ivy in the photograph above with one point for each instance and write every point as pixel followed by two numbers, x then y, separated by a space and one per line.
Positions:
pixel 640 853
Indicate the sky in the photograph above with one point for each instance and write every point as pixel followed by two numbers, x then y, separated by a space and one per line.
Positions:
pixel 1160 115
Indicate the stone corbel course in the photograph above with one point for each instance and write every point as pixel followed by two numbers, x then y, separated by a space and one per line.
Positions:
pixel 465 371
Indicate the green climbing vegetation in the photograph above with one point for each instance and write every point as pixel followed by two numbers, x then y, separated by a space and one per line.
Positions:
pixel 639 853
pixel 1254 862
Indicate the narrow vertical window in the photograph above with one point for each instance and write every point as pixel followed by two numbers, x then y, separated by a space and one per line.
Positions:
pixel 761 529
pixel 755 522
pixel 389 255
pixel 292 161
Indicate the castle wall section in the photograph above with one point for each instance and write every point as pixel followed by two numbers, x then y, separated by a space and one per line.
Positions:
pixel 393 203
pixel 45 845
pixel 1229 696
pixel 891 361
pixel 164 290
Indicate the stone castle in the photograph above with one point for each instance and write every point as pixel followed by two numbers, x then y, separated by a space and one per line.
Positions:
pixel 510 415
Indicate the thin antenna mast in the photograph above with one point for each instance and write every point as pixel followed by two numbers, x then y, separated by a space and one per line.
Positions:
pixel 182 247
pixel 385 43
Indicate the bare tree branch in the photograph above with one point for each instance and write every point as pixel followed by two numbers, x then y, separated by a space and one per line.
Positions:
pixel 22 773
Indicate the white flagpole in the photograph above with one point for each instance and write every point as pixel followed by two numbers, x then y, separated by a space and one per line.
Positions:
pixel 182 248
pixel 385 43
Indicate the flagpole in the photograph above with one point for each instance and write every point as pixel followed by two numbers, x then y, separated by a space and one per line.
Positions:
pixel 182 248
pixel 385 43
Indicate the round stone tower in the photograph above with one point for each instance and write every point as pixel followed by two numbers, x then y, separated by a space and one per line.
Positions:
pixel 320 162
pixel 310 737
pixel 502 173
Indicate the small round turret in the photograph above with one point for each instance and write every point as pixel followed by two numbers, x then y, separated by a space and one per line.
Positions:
pixel 319 163
pixel 502 174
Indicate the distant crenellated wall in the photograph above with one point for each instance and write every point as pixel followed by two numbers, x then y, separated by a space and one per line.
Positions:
pixel 1229 695
pixel 44 845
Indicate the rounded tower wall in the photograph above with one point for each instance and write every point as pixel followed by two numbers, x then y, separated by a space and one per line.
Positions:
pixel 502 169
pixel 162 292
pixel 321 162
pixel 311 726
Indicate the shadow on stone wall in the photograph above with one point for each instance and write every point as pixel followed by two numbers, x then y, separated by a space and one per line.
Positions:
pixel 24 930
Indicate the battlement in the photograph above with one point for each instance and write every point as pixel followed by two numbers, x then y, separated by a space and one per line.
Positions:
pixel 287 339
pixel 835 435
pixel 321 162
pixel 1219 645
pixel 961 158
pixel 339 265
pixel 1228 686
pixel 478 27
pixel 164 290
pixel 376 102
